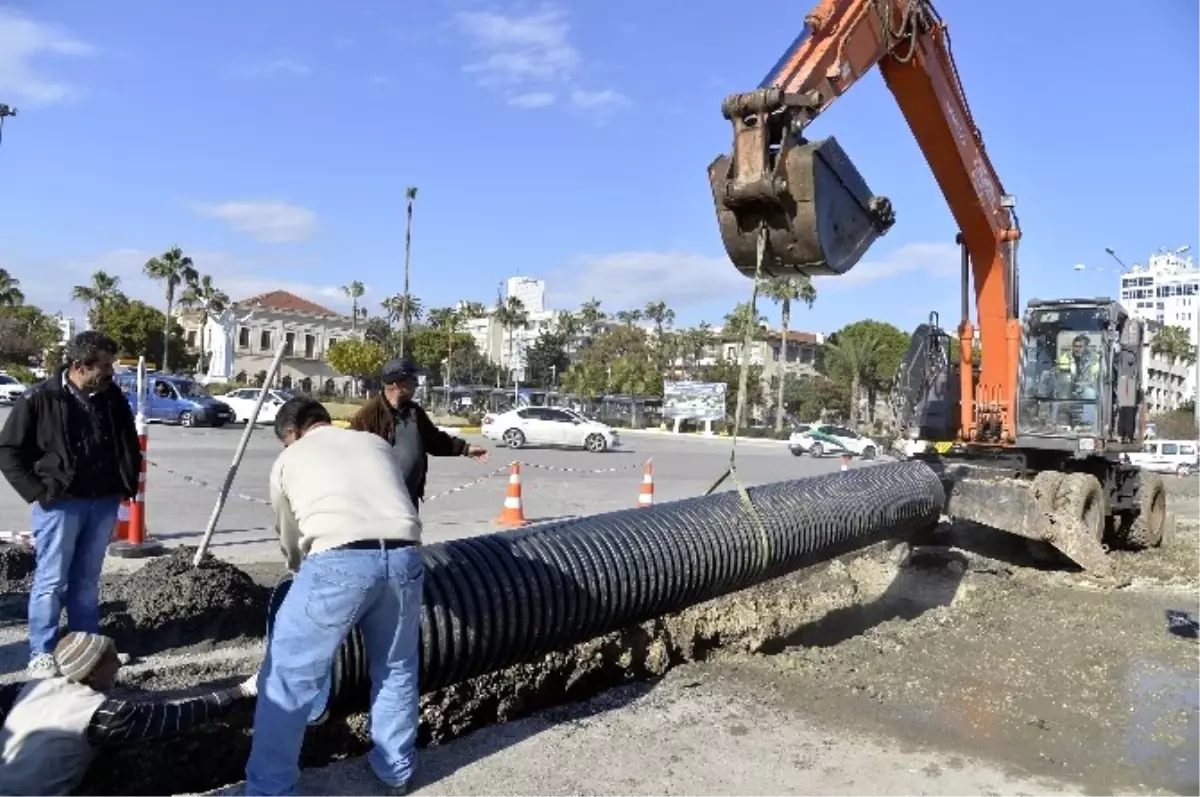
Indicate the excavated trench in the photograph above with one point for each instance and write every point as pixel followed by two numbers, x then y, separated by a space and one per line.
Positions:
pixel 817 606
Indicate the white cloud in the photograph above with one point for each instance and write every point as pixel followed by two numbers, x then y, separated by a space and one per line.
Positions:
pixel 598 100
pixel 527 57
pixel 269 221
pixel 24 40
pixel 630 279
pixel 517 49
pixel 914 259
pixel 48 283
pixel 280 67
pixel 532 99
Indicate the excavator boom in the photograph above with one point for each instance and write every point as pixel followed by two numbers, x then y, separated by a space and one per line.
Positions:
pixel 815 208
pixel 805 207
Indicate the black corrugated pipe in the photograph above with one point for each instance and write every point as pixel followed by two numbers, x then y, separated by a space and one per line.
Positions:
pixel 499 599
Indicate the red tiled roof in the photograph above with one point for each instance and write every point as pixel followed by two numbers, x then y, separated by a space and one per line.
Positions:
pixel 288 302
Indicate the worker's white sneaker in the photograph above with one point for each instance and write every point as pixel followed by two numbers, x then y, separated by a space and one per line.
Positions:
pixel 43 666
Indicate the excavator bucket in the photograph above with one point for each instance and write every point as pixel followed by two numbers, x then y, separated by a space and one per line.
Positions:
pixel 1062 510
pixel 819 214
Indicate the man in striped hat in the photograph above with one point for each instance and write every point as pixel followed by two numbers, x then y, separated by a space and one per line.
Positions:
pixel 51 727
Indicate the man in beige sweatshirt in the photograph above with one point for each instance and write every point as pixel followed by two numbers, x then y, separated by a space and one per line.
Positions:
pixel 349 531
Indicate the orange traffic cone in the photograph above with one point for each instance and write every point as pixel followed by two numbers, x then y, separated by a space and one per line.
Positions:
pixel 121 528
pixel 845 462
pixel 513 514
pixel 646 494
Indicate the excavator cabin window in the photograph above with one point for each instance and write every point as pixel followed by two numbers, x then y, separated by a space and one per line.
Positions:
pixel 1063 370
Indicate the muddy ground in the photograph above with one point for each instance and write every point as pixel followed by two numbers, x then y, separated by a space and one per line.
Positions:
pixel 962 644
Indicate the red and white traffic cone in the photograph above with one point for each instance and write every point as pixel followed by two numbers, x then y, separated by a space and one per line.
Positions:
pixel 646 493
pixel 513 513
pixel 845 462
pixel 137 543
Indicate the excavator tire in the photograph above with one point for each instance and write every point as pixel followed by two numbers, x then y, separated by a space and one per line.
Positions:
pixel 1045 491
pixel 1080 497
pixel 1145 528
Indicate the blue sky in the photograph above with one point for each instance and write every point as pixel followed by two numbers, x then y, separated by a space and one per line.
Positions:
pixel 273 141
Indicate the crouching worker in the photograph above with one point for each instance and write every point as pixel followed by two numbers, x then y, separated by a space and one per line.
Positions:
pixel 52 727
pixel 350 532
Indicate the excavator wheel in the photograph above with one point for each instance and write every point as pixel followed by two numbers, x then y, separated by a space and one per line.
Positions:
pixel 1081 498
pixel 1144 529
pixel 1045 493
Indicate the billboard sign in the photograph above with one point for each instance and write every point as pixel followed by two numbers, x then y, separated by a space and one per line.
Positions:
pixel 694 401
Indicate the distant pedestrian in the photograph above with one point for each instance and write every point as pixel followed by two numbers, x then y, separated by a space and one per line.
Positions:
pixel 394 416
pixel 50 728
pixel 350 532
pixel 70 448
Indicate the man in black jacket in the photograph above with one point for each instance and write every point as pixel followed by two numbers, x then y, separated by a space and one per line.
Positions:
pixel 70 449
pixel 394 416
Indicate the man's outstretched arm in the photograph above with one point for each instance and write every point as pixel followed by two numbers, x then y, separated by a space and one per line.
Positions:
pixel 121 721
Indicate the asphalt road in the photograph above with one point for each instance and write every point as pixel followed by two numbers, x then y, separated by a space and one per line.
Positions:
pixel 555 483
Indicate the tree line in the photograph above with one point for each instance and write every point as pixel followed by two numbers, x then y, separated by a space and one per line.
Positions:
pixel 590 351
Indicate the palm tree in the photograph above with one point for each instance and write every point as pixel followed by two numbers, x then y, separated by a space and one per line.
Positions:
pixel 785 290
pixel 10 294
pixel 210 299
pixel 1171 342
pixel 858 355
pixel 172 268
pixel 448 320
pixel 512 316
pixel 391 309
pixel 410 196
pixel 98 297
pixel 629 317
pixel 469 310
pixel 737 321
pixel 354 291
pixel 662 317
pixel 590 315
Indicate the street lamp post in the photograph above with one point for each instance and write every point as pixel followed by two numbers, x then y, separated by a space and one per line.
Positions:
pixel 5 112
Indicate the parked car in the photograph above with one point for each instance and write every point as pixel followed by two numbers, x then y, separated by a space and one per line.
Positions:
pixel 816 440
pixel 242 401
pixel 1181 457
pixel 176 399
pixel 549 426
pixel 10 389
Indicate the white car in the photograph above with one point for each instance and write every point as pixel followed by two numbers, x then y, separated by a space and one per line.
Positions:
pixel 10 389
pixel 817 440
pixel 1168 456
pixel 242 400
pixel 549 426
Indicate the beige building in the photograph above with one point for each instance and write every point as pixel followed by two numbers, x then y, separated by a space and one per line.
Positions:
pixel 307 329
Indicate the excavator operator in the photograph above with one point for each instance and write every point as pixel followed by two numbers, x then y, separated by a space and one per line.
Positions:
pixel 1082 366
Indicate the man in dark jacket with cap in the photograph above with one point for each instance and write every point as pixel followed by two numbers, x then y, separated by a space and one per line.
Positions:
pixel 395 417
pixel 70 449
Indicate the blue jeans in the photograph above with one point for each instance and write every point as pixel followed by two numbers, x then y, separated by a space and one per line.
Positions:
pixel 70 538
pixel 380 590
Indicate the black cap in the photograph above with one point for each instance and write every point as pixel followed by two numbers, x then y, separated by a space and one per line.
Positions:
pixel 398 370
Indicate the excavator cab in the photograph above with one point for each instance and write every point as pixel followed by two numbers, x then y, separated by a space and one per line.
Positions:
pixel 1080 384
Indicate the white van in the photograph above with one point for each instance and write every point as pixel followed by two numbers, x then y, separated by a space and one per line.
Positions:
pixel 1180 457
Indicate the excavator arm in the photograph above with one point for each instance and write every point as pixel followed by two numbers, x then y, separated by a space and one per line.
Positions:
pixel 814 209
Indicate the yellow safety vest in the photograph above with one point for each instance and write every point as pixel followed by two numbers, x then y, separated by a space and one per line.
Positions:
pixel 1066 362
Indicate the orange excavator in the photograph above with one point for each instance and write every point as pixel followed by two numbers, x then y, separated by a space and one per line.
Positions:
pixel 1037 411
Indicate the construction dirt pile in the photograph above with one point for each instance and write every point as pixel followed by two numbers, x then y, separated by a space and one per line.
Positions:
pixel 757 620
pixel 16 568
pixel 170 604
